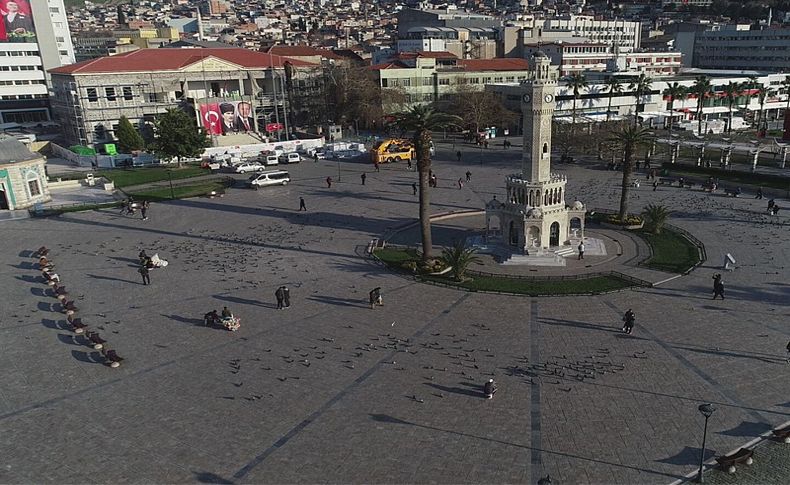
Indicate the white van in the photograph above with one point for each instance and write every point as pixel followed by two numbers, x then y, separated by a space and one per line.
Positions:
pixel 271 160
pixel 270 177
pixel 292 157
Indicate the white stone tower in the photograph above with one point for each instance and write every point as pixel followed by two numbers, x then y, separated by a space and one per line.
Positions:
pixel 534 218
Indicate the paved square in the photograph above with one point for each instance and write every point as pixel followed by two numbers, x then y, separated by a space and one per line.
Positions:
pixel 332 391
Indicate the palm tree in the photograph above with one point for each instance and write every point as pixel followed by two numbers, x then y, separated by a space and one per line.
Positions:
pixel 674 92
pixel 459 257
pixel 731 92
pixel 629 138
pixel 655 217
pixel 423 120
pixel 762 96
pixel 641 86
pixel 701 89
pixel 613 86
pixel 576 81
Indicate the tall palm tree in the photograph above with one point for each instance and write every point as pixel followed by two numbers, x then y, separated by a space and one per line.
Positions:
pixel 640 86
pixel 613 86
pixel 731 92
pixel 629 138
pixel 701 89
pixel 674 92
pixel 762 97
pixel 423 120
pixel 576 81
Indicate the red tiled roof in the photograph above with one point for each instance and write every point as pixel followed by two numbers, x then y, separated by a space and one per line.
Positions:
pixel 300 51
pixel 497 64
pixel 388 65
pixel 153 60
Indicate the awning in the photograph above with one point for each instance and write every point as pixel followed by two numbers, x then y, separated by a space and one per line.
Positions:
pixel 774 105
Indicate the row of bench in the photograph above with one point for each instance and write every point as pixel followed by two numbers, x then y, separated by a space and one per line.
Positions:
pixel 746 456
pixel 70 309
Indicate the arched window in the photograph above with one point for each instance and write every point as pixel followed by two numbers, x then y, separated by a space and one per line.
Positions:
pixel 545 148
pixel 33 184
pixel 559 197
pixel 546 198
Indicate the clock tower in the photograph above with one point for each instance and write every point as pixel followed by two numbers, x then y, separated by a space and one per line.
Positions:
pixel 537 108
pixel 534 219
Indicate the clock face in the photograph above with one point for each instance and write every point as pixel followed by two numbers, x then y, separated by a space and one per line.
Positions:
pixel 548 98
pixel 527 98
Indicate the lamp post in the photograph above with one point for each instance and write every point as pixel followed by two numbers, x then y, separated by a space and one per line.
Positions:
pixel 545 480
pixel 170 179
pixel 706 410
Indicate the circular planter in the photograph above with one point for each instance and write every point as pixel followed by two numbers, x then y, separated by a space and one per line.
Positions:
pixel 631 227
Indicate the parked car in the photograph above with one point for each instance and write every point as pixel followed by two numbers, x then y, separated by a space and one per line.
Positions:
pixel 271 159
pixel 343 154
pixel 249 167
pixel 269 177
pixel 292 157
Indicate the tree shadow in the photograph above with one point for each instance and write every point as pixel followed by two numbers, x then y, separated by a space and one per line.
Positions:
pixel 724 353
pixel 577 324
pixel 109 278
pixel 747 428
pixel 332 300
pixel 207 477
pixel 688 456
pixel 456 390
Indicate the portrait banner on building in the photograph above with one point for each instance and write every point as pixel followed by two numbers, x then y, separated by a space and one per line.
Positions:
pixel 227 117
pixel 17 21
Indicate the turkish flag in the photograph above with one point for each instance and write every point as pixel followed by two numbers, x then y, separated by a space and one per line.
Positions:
pixel 211 118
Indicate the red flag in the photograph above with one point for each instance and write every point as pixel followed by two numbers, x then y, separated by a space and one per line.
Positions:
pixel 211 117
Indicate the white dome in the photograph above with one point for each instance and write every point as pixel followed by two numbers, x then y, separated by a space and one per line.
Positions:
pixel 535 213
pixel 577 206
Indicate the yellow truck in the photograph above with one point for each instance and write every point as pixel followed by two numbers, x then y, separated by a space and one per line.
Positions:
pixel 392 150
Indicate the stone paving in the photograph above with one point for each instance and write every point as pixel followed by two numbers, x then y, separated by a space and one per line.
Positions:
pixel 331 391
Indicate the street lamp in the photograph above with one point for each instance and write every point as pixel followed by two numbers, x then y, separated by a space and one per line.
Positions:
pixel 706 410
pixel 170 179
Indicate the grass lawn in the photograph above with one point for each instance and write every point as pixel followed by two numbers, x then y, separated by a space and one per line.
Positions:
pixel 671 251
pixel 397 258
pixel 136 176
pixel 180 192
pixel 733 176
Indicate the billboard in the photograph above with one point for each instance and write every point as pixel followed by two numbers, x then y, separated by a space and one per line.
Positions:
pixel 227 117
pixel 17 24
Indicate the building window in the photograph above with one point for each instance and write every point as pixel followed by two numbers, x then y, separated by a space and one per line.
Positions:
pixel 127 93
pixel 385 83
pixel 110 93
pixel 54 10
pixel 444 82
pixel 33 187
pixel 406 82
pixel 93 96
pixel 426 81
pixel 60 39
pixel 99 131
pixel 64 53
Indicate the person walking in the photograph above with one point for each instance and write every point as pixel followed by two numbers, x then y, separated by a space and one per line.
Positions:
pixel 329 182
pixel 718 286
pixel 287 296
pixel 629 318
pixel 788 352
pixel 408 164
pixel 460 183
pixel 759 193
pixel 414 188
pixel 376 166
pixel 280 296
pixel 302 206
pixel 363 177
pixel 485 144
pixel 145 273
pixel 375 297
pixel 468 176
pixel 144 210
pixel 581 250
pixel 655 185
pixel 458 154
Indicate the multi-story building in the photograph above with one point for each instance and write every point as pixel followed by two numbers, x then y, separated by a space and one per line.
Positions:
pixel 528 30
pixel 39 41
pixel 737 47
pixel 428 77
pixel 464 42
pixel 586 57
pixel 228 90
pixel 409 18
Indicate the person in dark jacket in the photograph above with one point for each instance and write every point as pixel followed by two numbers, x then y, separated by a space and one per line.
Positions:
pixel 280 295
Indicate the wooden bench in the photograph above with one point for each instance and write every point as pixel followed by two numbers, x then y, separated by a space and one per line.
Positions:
pixel 51 278
pixel 76 324
pixel 98 342
pixel 112 357
pixel 42 251
pixel 728 462
pixel 60 292
pixel 69 308
pixel 782 434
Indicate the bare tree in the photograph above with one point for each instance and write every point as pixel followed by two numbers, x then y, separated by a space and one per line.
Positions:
pixel 477 108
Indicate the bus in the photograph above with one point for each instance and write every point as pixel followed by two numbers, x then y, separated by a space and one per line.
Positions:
pixel 392 150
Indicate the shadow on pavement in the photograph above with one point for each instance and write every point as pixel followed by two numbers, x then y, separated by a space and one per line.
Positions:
pixel 456 390
pixel 688 456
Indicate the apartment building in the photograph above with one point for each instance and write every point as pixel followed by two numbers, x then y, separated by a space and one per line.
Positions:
pixel 427 77
pixel 738 47
pixel 574 57
pixel 228 89
pixel 40 42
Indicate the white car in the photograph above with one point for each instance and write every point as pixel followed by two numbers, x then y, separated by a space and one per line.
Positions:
pixel 270 177
pixel 292 157
pixel 249 167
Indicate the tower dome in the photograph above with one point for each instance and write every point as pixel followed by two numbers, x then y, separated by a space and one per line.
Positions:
pixel 577 205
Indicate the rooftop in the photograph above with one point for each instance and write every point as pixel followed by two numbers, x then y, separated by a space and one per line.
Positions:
pixel 13 150
pixel 153 60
